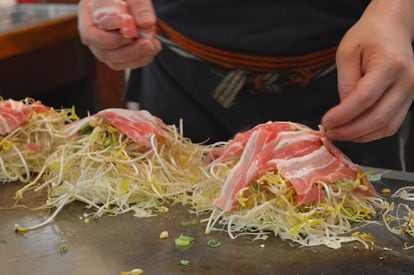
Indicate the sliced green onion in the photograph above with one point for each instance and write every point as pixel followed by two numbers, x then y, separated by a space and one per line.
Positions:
pixel 183 241
pixel 63 249
pixel 189 223
pixel 184 262
pixel 213 243
pixel 107 143
pixel 85 130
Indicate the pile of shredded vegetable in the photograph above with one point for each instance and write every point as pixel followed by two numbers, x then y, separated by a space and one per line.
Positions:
pixel 399 217
pixel 24 150
pixel 112 174
pixel 269 206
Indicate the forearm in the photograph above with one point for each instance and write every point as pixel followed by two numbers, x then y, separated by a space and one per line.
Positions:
pixel 399 12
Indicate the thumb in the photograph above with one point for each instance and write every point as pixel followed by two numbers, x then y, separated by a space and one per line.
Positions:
pixel 143 13
pixel 348 63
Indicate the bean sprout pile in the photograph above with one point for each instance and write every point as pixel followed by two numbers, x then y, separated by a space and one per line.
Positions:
pixel 24 150
pixel 269 206
pixel 113 175
pixel 399 218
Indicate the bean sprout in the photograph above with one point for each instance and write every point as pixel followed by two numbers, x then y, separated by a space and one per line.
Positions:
pixel 269 206
pixel 24 150
pixel 112 175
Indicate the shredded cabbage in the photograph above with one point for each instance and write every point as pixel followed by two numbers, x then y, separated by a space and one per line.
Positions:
pixel 24 150
pixel 269 205
pixel 112 175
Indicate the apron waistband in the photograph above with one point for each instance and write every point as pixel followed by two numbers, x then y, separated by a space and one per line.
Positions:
pixel 264 74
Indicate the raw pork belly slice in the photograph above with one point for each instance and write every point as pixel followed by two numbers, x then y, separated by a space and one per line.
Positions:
pixel 15 113
pixel 113 15
pixel 235 146
pixel 139 126
pixel 302 156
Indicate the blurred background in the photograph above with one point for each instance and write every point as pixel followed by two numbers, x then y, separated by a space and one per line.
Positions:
pixel 41 56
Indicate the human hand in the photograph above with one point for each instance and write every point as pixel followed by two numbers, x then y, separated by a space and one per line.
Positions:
pixel 375 74
pixel 120 34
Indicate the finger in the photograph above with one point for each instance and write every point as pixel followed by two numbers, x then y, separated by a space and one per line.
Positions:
pixel 143 12
pixel 369 89
pixel 107 14
pixel 128 28
pixel 113 15
pixel 348 63
pixel 95 37
pixel 139 50
pixel 157 45
pixel 375 118
pixel 133 64
pixel 391 128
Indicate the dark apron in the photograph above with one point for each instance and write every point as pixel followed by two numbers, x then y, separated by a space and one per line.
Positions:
pixel 173 88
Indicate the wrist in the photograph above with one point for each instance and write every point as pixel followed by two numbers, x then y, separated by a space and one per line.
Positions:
pixel 399 13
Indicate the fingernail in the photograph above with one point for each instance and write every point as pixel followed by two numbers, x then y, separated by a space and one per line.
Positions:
pixel 146 35
pixel 146 15
pixel 145 18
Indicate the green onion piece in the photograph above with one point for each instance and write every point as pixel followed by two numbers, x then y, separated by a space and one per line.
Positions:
pixel 87 129
pixel 107 143
pixel 256 187
pixel 63 249
pixel 186 238
pixel 213 243
pixel 189 223
pixel 183 241
pixel 184 262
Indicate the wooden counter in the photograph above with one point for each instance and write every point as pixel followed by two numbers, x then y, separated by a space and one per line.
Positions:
pixel 41 56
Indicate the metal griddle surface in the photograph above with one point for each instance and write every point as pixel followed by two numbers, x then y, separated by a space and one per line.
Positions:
pixel 113 244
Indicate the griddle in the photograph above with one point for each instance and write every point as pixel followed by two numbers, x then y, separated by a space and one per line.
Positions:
pixel 112 244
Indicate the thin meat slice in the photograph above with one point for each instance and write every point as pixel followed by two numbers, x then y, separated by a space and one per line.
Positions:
pixel 13 104
pixel 15 113
pixel 12 115
pixel 336 152
pixel 235 146
pixel 34 148
pixel 293 144
pixel 341 156
pixel 74 127
pixel 113 15
pixel 244 171
pixel 319 165
pixel 139 126
pixel 38 107
pixel 302 156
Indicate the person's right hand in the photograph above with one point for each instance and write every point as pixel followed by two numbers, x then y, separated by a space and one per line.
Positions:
pixel 111 46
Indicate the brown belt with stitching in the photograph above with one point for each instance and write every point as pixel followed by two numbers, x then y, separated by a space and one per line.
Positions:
pixel 262 73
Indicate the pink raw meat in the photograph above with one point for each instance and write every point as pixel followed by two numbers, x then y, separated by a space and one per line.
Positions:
pixel 302 156
pixel 12 115
pixel 139 126
pixel 113 15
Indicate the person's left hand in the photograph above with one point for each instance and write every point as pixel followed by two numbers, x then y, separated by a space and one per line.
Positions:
pixel 375 74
